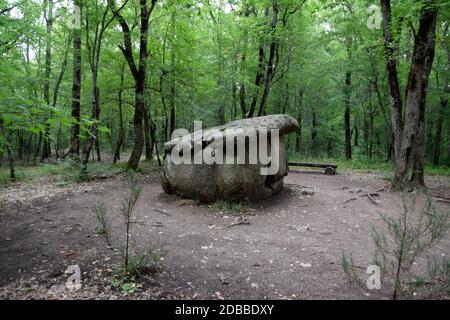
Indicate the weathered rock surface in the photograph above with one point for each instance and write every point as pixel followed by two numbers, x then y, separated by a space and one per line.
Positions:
pixel 228 181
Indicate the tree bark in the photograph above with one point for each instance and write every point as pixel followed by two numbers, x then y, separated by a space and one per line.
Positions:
pixel 271 64
pixel 259 73
pixel 139 74
pixel 440 119
pixel 121 137
pixel 48 15
pixel 298 141
pixel 314 134
pixel 413 133
pixel 242 88
pixel 74 150
pixel 173 73
pixel 12 172
pixel 347 94
pixel 391 66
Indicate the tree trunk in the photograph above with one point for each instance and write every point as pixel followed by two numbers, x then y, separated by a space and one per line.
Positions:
pixel 356 130
pixel 121 137
pixel 441 116
pixel 74 150
pixel 347 97
pixel 173 74
pixel 48 15
pixel 314 134
pixel 391 66
pixel 298 142
pixel 242 89
pixel 259 73
pixel 133 162
pixel 413 132
pixel 139 74
pixel 12 173
pixel 56 94
pixel 271 65
pixel 148 136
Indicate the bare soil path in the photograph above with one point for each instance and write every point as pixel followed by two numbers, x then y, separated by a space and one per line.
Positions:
pixel 289 248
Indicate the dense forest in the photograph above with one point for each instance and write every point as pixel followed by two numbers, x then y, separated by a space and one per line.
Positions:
pixel 366 80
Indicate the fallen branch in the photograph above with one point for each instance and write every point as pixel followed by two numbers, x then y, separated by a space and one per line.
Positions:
pixel 368 195
pixel 162 212
pixel 442 200
pixel 386 187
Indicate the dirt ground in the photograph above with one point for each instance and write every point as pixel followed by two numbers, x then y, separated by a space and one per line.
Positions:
pixel 289 248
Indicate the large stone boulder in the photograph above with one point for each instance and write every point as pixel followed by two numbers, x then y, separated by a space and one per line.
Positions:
pixel 241 175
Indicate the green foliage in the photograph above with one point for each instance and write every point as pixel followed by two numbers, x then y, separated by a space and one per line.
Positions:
pixel 201 55
pixel 223 206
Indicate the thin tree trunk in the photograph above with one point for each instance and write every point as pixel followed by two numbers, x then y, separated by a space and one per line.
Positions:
pixel 314 134
pixel 12 173
pixel 298 142
pixel 173 74
pixel 148 136
pixel 391 66
pixel 48 15
pixel 121 137
pixel 347 93
pixel 74 150
pixel 242 89
pixel 259 73
pixel 441 116
pixel 271 64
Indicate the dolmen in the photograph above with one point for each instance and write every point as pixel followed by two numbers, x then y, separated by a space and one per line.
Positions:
pixel 241 160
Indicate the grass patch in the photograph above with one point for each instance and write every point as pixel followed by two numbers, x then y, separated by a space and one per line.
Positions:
pixel 64 172
pixel 223 206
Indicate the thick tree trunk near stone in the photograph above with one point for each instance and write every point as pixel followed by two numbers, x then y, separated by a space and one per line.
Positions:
pixel 412 148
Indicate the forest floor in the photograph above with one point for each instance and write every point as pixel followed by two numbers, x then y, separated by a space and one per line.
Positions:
pixel 288 247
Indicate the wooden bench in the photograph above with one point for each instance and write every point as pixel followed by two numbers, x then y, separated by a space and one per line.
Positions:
pixel 330 169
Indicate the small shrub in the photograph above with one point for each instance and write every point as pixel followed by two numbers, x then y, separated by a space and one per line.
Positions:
pixel 397 251
pixel 133 264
